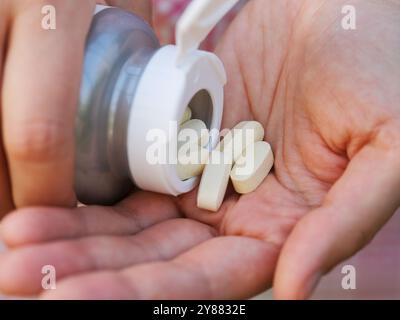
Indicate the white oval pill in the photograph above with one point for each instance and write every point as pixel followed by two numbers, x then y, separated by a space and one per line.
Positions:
pixel 191 162
pixel 193 132
pixel 243 134
pixel 252 167
pixel 186 116
pixel 214 182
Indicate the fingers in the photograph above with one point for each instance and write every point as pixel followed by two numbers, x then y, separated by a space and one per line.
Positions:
pixel 6 203
pixel 220 268
pixel 142 8
pixel 20 272
pixel 138 212
pixel 356 208
pixel 41 84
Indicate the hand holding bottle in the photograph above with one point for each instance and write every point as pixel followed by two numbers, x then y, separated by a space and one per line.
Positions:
pixel 328 99
pixel 40 73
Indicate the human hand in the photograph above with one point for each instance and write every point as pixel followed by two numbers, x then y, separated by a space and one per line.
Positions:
pixel 329 99
pixel 331 114
pixel 40 73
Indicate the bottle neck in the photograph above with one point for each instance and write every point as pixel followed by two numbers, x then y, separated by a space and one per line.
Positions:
pixel 118 49
pixel 121 103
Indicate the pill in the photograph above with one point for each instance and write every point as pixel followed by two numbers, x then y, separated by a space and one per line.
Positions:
pixel 193 132
pixel 252 167
pixel 214 182
pixel 186 116
pixel 191 162
pixel 235 141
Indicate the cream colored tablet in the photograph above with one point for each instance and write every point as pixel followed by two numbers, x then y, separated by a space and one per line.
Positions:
pixel 252 167
pixel 214 182
pixel 193 132
pixel 186 116
pixel 191 162
pixel 240 136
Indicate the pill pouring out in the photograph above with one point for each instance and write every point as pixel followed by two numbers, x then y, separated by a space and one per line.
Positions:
pixel 241 156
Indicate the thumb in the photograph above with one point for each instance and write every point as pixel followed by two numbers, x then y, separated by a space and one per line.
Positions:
pixel 356 207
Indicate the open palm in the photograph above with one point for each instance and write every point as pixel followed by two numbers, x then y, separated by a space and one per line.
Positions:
pixel 329 101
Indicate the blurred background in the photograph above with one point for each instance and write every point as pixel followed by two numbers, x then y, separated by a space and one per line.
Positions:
pixel 378 265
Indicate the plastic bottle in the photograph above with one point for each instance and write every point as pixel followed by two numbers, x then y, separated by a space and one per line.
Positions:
pixel 131 85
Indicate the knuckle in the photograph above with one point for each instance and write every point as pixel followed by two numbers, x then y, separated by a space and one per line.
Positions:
pixel 38 141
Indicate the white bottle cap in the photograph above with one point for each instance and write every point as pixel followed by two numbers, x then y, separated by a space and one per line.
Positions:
pixel 176 77
pixel 199 18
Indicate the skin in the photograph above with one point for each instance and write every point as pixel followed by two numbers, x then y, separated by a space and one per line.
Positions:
pixel 37 127
pixel 329 101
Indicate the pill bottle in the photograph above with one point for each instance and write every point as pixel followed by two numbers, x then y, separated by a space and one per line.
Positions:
pixel 131 85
